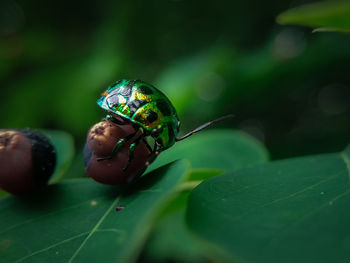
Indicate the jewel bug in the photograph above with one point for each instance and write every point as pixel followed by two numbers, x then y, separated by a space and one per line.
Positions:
pixel 149 110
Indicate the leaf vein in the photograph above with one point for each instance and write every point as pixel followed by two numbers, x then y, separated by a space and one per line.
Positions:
pixel 302 190
pixel 331 202
pixel 43 216
pixel 283 198
pixel 119 231
pixel 291 227
pixel 52 246
pixel 95 228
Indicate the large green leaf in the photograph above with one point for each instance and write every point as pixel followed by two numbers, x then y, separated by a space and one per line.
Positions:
pixel 329 15
pixel 294 210
pixel 210 153
pixel 220 150
pixel 171 240
pixel 77 220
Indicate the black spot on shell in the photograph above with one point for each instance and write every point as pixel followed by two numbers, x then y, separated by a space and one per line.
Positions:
pixel 164 107
pixel 131 83
pixel 134 105
pixel 145 90
pixel 151 116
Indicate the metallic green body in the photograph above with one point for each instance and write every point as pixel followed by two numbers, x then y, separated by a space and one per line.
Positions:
pixel 145 106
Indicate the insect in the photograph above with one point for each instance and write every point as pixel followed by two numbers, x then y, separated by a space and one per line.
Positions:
pixel 149 111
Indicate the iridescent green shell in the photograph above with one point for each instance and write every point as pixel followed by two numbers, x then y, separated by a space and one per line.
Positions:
pixel 144 105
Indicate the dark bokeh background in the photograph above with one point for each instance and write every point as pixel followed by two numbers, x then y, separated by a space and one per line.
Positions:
pixel 286 86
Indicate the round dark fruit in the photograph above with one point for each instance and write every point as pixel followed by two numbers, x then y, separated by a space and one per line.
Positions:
pixel 102 165
pixel 27 160
pixel 103 136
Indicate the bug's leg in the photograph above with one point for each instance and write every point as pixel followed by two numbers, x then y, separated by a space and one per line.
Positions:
pixel 137 175
pixel 152 158
pixel 157 149
pixel 107 118
pixel 132 149
pixel 147 145
pixel 154 154
pixel 119 144
pixel 113 119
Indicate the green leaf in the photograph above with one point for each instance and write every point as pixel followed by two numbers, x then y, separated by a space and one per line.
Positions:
pixel 64 147
pixel 219 150
pixel 170 238
pixel 76 169
pixel 330 14
pixel 77 220
pixel 294 210
pixel 210 153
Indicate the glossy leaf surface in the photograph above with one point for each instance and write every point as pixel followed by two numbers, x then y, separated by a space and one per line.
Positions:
pixel 82 221
pixel 294 210
pixel 216 150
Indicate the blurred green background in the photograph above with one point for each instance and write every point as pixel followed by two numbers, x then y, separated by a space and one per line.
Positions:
pixel 286 86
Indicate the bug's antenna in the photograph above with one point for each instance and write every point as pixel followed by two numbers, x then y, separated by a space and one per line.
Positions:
pixel 202 127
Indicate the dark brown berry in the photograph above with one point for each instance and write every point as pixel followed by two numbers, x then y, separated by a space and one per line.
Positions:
pixel 103 136
pixel 27 160
pixel 101 140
